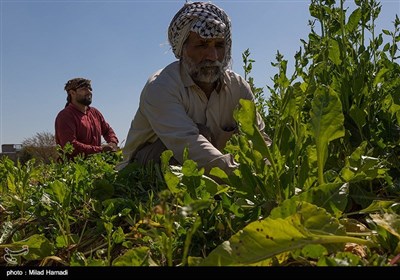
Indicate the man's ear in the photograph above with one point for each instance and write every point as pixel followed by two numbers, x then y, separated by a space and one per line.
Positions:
pixel 72 94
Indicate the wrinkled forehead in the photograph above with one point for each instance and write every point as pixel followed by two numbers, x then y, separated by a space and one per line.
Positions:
pixel 196 38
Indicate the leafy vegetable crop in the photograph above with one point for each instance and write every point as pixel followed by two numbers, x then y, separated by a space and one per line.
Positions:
pixel 329 195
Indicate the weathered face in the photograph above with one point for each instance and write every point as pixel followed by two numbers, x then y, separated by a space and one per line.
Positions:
pixel 82 95
pixel 204 57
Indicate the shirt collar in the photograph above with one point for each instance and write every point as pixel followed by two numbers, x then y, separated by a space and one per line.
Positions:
pixel 72 106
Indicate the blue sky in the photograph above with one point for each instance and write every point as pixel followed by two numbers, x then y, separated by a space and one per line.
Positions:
pixel 118 44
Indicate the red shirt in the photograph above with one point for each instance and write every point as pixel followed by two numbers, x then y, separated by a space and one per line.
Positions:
pixel 83 130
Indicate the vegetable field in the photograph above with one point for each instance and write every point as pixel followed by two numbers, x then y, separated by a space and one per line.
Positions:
pixel 329 197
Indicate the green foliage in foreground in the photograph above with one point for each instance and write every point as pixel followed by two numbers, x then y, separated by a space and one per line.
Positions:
pixel 325 193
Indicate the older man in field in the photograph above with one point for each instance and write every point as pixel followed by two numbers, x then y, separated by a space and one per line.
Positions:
pixel 190 102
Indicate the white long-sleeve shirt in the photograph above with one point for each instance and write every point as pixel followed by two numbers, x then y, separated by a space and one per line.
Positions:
pixel 170 107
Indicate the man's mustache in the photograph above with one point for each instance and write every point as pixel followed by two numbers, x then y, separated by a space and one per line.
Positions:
pixel 208 63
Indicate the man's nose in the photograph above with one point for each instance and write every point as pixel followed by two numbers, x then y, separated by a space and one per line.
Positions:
pixel 212 53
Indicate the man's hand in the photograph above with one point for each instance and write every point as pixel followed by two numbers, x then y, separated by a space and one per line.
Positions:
pixel 109 147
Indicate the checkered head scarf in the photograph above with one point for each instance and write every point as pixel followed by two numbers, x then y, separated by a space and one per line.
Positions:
pixel 205 19
pixel 74 84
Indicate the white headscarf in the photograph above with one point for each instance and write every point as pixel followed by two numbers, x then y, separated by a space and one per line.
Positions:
pixel 203 18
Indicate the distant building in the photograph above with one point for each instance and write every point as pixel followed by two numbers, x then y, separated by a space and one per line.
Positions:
pixel 12 151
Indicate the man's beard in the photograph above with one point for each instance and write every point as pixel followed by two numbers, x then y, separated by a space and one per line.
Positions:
pixel 204 72
pixel 85 100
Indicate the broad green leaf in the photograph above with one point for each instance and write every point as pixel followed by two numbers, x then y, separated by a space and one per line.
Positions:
pixel 359 166
pixel 358 115
pixel 218 172
pixel 390 106
pixel 108 226
pixel 246 116
pixel 11 183
pixel 293 101
pixel 308 170
pixel 61 241
pixel 313 216
pixel 266 238
pixel 189 168
pixel 118 236
pixel 334 52
pixel 171 179
pixel 380 205
pixel 379 78
pixel 211 186
pixel 354 19
pixel 81 172
pixel 332 197
pixel 389 221
pixel 59 190
pixel 38 247
pixel 314 251
pixel 248 181
pixel 326 123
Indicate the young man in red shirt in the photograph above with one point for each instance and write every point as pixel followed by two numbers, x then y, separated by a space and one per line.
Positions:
pixel 82 125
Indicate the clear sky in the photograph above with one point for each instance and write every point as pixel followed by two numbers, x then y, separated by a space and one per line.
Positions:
pixel 118 44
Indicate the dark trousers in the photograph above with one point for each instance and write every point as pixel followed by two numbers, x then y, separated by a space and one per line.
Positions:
pixel 152 152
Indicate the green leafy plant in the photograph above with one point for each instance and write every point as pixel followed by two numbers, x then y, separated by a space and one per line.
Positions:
pixel 324 193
